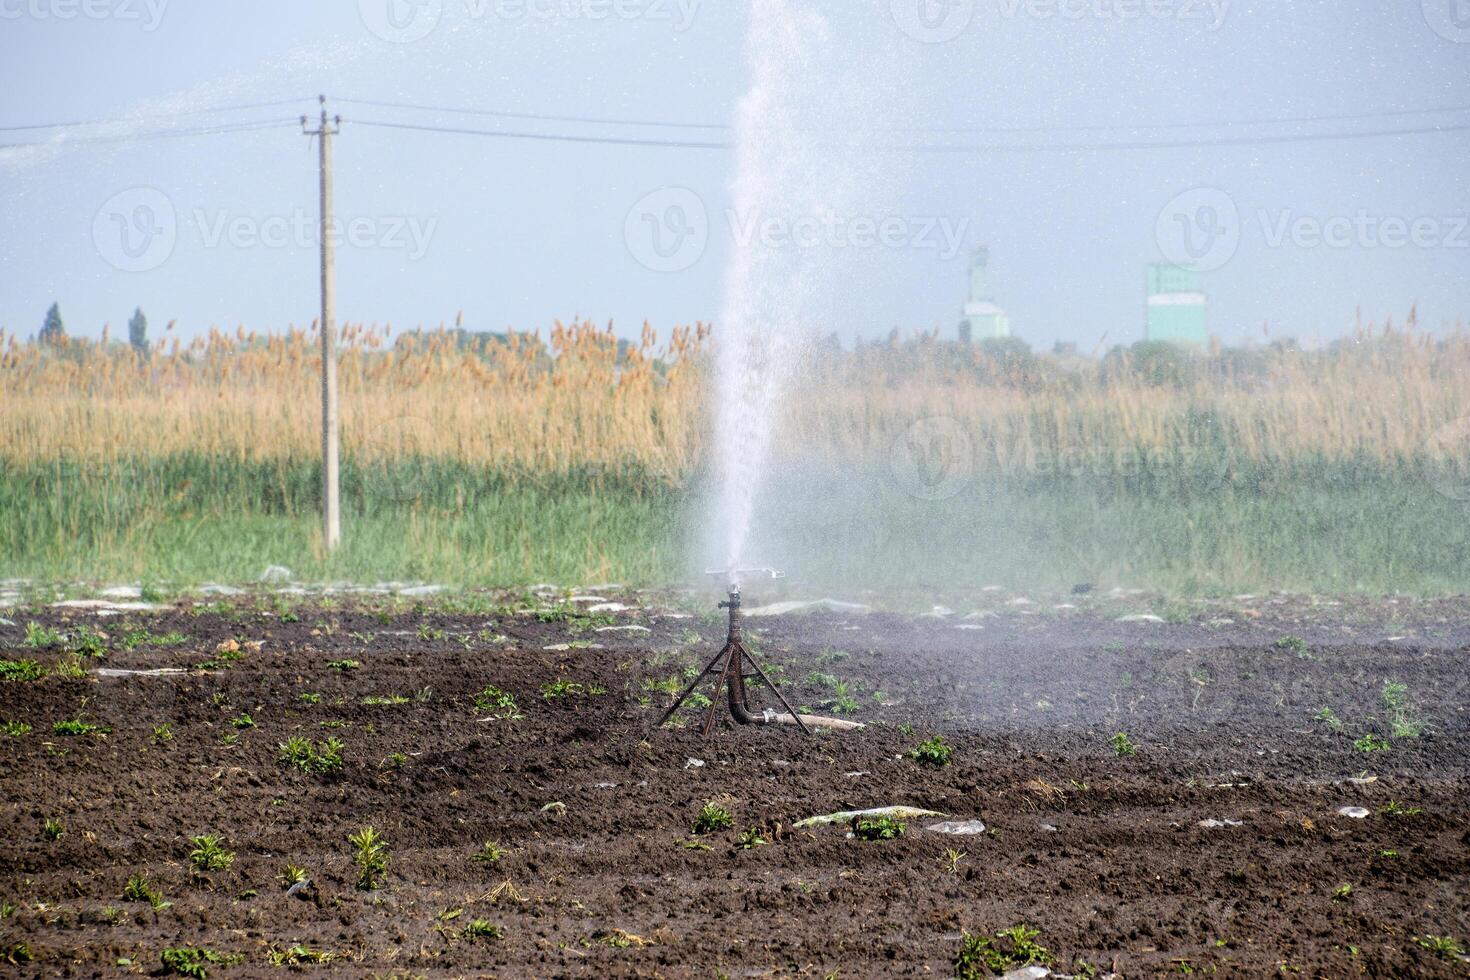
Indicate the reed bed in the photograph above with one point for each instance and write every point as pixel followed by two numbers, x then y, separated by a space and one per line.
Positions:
pixel 580 399
pixel 577 454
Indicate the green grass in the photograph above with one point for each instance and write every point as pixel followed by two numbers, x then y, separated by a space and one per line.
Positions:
pixel 1181 527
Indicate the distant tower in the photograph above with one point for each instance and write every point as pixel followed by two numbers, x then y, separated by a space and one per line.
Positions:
pixel 982 317
pixel 1176 307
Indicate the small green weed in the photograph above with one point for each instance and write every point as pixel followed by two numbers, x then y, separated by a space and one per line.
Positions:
pixel 1292 644
pixel 21 670
pixel 209 854
pixel 477 929
pixel 75 726
pixel 883 828
pixel 934 752
pixel 139 890
pixel 713 818
pixel 1371 743
pixel 322 758
pixel 1445 947
pixel 52 829
pixel 1401 718
pixel 490 852
pixel 496 703
pixel 1007 950
pixel 292 874
pixel 87 642
pixel 370 855
pixel 751 839
pixel 15 729
pixel 40 637
pixel 1123 745
pixel 194 962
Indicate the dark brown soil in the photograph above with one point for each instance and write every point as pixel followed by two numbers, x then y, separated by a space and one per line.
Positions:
pixel 1102 853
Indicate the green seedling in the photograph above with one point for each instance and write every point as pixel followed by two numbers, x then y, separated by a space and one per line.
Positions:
pixel 1445 947
pixel 87 642
pixel 15 729
pixel 16 954
pixel 1007 950
pixel 194 962
pixel 243 720
pixel 953 856
pixel 1397 809
pixel 1326 717
pixel 496 703
pixel 935 752
pixel 370 855
pixel 1123 745
pixel 163 733
pixel 843 700
pixel 1292 644
pixel 52 829
pixel 322 758
pixel 292 874
pixel 76 726
pixel 477 929
pixel 1401 719
pixel 561 688
pixel 209 854
pixel 40 637
pixel 883 828
pixel 713 818
pixel 139 890
pixel 343 666
pixel 1342 893
pixel 310 697
pixel 490 852
pixel 384 700
pixel 1370 743
pixel 751 839
pixel 21 670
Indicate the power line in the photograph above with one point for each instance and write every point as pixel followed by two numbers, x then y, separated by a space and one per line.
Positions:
pixel 537 116
pixel 183 112
pixel 551 137
pixel 953 130
pixel 936 148
pixel 242 127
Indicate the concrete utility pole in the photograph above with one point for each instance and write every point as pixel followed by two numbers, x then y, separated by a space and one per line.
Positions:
pixel 331 515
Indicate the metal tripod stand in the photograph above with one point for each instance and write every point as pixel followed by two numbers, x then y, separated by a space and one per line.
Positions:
pixel 732 678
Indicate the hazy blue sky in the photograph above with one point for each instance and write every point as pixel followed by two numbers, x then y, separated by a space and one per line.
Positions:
pixel 518 232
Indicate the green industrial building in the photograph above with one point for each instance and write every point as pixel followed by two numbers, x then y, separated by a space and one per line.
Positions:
pixel 1176 307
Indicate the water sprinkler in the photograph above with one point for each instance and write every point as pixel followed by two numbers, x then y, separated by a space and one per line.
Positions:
pixel 730 663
